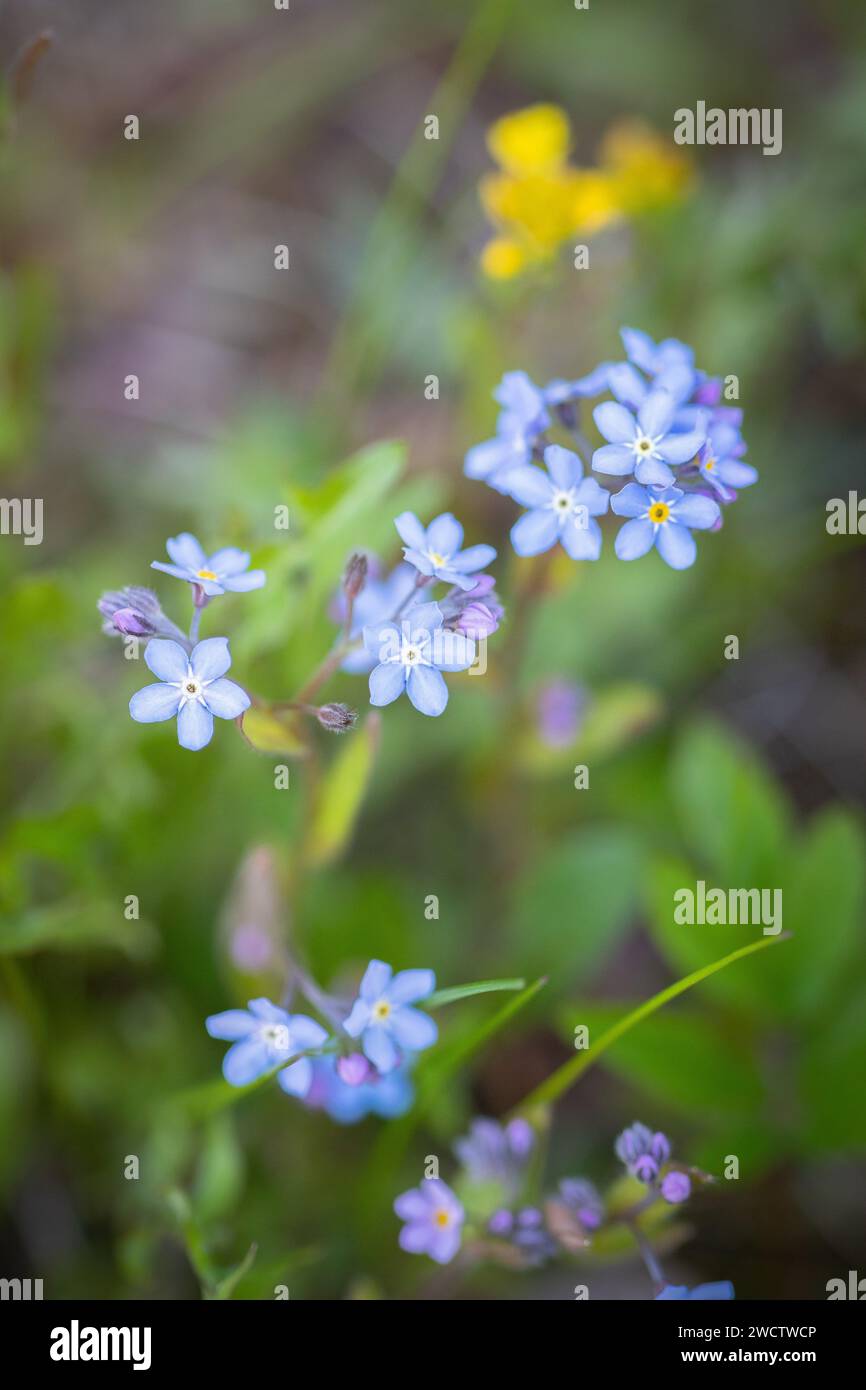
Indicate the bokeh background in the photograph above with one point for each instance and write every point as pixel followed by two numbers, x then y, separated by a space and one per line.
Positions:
pixel 258 388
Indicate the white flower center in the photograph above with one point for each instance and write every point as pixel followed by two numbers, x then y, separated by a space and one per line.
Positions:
pixel 191 688
pixel 562 502
pixel 380 1011
pixel 411 654
pixel 644 447
pixel 275 1036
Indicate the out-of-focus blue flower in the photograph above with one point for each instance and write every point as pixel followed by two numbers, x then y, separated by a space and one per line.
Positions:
pixel 646 445
pixel 522 420
pixel 724 1289
pixel 676 1187
pixel 377 602
pixel 653 357
pixel 492 1152
pixel 560 391
pixel 642 1152
pixel 664 518
pixel 191 687
pixel 435 551
pixel 563 506
pixel 262 1036
pixel 526 1231
pixel 382 1018
pixel 584 1200
pixel 227 569
pixel 720 461
pixel 559 710
pixel 434 1220
pixel 412 657
pixel 347 1103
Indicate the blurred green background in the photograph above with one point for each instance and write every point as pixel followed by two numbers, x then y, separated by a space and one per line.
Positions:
pixel 259 388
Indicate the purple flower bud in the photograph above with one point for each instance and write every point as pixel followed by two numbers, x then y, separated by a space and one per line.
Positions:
pixel 354 1069
pixel 559 710
pixel 645 1168
pixel 251 948
pixel 476 621
pixel 676 1186
pixel 500 1223
pixel 660 1148
pixel 356 576
pixel 709 392
pixel 521 1137
pixel 130 623
pixel 336 717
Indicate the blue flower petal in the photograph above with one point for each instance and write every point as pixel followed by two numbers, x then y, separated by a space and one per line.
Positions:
pixel 681 448
pixel 379 1048
pixel 166 659
pixel 652 472
pixel 564 466
pixel 211 658
pixel 297 1079
pixel 452 651
pixel 627 385
pixel 614 459
pixel 305 1032
pixel 535 532
pixel 185 551
pixel 227 561
pixel 410 530
pixel 696 511
pixel 243 583
pixel 445 535
pixel 246 1061
pixel 581 542
pixel 194 726
pixel 387 682
pixel 474 557
pixel 614 422
pixel 676 545
pixel 225 699
pixel 632 500
pixel 530 486
pixel 154 703
pixel 375 981
pixel 358 1019
pixel 656 413
pixel 413 1029
pixel 427 691
pixel 409 985
pixel 230 1025
pixel 634 539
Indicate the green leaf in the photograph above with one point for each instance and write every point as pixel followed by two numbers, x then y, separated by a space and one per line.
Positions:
pixel 448 996
pixel 684 1059
pixel 341 794
pixel 565 1076
pixel 271 732
pixel 76 927
pixel 823 906
pixel 220 1176
pixel 690 947
pixel 731 812
pixel 573 903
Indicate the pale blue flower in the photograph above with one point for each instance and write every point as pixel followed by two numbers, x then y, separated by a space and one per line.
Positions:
pixel 386 1096
pixel 522 420
pixel 645 445
pixel 563 506
pixel 664 518
pixel 434 1220
pixel 411 656
pixel 227 569
pixel 377 602
pixel 436 551
pixel 724 1289
pixel 720 461
pixel 263 1036
pixel 192 687
pixel 382 1018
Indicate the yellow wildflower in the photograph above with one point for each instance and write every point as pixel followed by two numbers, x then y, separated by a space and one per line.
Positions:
pixel 645 170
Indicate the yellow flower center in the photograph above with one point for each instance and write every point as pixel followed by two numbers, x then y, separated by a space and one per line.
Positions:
pixel 659 511
pixel 710 465
pixel 442 1217
pixel 205 574
pixel 437 559
pixel 381 1010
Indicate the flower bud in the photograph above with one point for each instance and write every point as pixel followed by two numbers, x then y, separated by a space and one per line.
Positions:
pixel 337 718
pixel 476 620
pixel 676 1186
pixel 354 1070
pixel 356 576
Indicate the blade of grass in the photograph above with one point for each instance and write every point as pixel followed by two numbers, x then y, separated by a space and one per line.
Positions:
pixel 565 1076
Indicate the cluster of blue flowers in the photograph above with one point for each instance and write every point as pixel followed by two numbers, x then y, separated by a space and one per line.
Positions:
pixel 323 1066
pixel 401 637
pixel 487 1213
pixel 667 428
pixel 191 682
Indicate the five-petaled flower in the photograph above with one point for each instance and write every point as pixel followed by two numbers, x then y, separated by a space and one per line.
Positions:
pixel 192 687
pixel 434 1220
pixel 227 569
pixel 563 506
pixel 411 656
pixel 382 1018
pixel 263 1036
pixel 720 461
pixel 664 518
pixel 645 445
pixel 436 551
